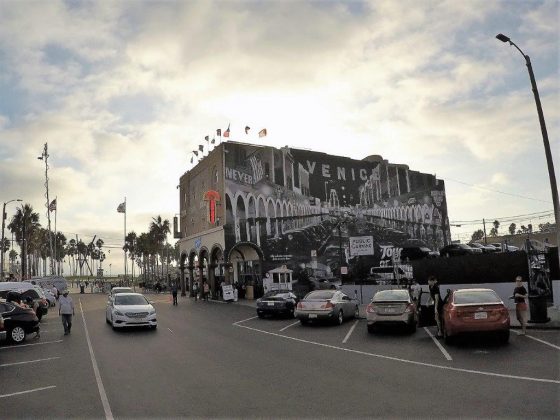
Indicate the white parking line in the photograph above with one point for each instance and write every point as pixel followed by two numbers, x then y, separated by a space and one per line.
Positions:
pixel 396 359
pixel 29 361
pixel 350 332
pixel 27 392
pixel 538 339
pixel 170 330
pixel 100 387
pixel 291 325
pixel 28 345
pixel 245 320
pixel 447 356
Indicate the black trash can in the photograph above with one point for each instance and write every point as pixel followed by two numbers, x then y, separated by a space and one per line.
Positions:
pixel 538 309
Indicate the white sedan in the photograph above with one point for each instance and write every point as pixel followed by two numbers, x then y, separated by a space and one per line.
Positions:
pixel 130 310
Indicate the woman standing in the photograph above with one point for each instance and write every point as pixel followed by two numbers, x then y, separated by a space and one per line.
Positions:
pixel 519 296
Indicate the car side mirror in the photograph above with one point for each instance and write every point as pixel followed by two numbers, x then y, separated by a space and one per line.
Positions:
pixel 151 302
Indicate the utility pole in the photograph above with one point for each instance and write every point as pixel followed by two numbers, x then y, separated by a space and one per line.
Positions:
pixel 45 157
pixel 4 215
pixel 484 224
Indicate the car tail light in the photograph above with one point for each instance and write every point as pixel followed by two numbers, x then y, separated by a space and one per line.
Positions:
pixel 409 308
pixel 44 301
pixel 370 309
pixel 300 305
pixel 328 305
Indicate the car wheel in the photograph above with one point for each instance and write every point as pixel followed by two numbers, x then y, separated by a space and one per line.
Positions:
pixel 371 329
pixel 504 337
pixel 260 315
pixel 303 321
pixel 357 312
pixel 17 335
pixel 113 323
pixel 154 327
pixel 340 317
pixel 292 313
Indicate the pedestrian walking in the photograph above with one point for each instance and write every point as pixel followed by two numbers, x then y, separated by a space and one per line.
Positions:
pixel 519 296
pixel 195 290
pixel 66 311
pixel 415 289
pixel 437 302
pixel 206 289
pixel 174 293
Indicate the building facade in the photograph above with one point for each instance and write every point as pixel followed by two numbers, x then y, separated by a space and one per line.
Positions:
pixel 246 209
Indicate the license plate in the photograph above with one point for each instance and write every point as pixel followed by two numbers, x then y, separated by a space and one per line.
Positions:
pixel 312 315
pixel 390 310
pixel 480 315
pixel 270 303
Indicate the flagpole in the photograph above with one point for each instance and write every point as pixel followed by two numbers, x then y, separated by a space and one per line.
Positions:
pixel 124 241
pixel 55 252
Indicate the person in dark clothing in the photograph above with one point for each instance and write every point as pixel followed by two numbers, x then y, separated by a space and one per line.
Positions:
pixel 174 293
pixel 519 296
pixel 435 294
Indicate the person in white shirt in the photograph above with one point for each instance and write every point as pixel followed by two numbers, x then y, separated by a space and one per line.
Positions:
pixel 66 310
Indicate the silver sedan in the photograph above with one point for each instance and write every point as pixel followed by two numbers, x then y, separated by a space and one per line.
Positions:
pixel 391 307
pixel 130 310
pixel 329 305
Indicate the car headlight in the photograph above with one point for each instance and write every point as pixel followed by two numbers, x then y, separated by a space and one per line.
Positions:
pixel 152 312
pixel 119 313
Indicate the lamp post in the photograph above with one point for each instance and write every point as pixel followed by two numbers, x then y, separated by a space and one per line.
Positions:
pixel 547 152
pixel 2 242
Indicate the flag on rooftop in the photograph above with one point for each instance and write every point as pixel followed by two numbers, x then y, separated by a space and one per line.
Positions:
pixel 52 206
pixel 122 208
pixel 207 138
pixel 201 148
pixel 195 152
pixel 192 158
pixel 263 132
pixel 226 133
pixel 219 132
pixel 247 128
pixel 213 141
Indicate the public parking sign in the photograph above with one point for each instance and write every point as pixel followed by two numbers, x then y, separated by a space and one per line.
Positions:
pixel 361 245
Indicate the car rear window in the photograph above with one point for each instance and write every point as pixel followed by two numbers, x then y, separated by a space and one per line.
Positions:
pixel 476 296
pixel 322 294
pixel 392 295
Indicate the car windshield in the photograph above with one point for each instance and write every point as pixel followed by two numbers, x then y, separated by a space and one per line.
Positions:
pixel 463 246
pixel 392 295
pixel 323 294
pixel 130 300
pixel 476 297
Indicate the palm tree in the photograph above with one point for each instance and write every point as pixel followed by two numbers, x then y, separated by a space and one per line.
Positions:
pixel 130 247
pixel 24 222
pixel 159 229
pixel 60 247
pixel 71 251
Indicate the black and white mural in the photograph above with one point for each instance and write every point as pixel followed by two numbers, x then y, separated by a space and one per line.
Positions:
pixel 303 209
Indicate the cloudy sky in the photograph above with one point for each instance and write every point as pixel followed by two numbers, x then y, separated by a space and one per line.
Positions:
pixel 123 91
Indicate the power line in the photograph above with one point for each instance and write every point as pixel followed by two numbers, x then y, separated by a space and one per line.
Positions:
pixel 543 213
pixel 496 191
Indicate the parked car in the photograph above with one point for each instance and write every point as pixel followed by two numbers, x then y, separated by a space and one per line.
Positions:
pixel 454 250
pixel 504 247
pixel 18 321
pixel 417 253
pixel 277 302
pixel 51 298
pixel 475 310
pixel 130 310
pixel 486 249
pixel 391 308
pixel 35 293
pixel 3 334
pixel 327 305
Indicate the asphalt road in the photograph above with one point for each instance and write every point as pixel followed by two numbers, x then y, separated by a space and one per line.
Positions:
pixel 216 360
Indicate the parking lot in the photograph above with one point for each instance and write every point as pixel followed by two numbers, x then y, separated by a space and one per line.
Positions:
pixel 210 359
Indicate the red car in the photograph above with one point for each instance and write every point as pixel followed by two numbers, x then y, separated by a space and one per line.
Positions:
pixel 475 310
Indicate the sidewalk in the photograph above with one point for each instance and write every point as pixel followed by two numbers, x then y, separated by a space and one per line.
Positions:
pixel 553 314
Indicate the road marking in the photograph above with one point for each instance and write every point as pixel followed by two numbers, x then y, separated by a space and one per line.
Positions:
pixel 245 320
pixel 350 332
pixel 27 392
pixel 100 387
pixel 29 361
pixel 396 359
pixel 447 356
pixel 170 330
pixel 291 325
pixel 27 345
pixel 538 339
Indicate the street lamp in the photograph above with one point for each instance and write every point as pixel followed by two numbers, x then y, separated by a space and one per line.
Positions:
pixel 110 264
pixel 2 242
pixel 547 152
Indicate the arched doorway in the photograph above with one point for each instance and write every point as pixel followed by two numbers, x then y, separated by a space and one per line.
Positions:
pixel 245 259
pixel 182 268
pixel 217 270
pixel 192 262
pixel 203 268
